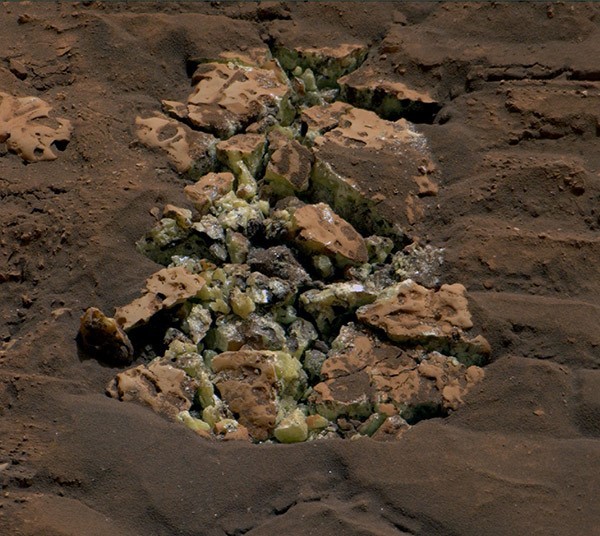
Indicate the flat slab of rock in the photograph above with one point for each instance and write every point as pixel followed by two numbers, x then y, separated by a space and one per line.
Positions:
pixel 165 389
pixel 391 99
pixel 363 374
pixel 319 230
pixel 367 167
pixel 188 151
pixel 410 313
pixel 23 130
pixel 229 97
pixel 164 289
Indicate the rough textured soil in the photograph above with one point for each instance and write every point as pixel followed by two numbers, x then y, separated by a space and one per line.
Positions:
pixel 516 142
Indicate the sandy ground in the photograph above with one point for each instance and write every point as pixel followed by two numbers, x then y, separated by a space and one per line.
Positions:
pixel 516 142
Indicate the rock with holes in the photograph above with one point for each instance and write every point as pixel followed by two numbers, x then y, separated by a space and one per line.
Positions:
pixel 289 168
pixel 317 229
pixel 188 151
pixel 366 167
pixel 164 289
pixel 24 128
pixel 363 375
pixel 251 382
pixel 165 389
pixel 227 97
pixel 435 319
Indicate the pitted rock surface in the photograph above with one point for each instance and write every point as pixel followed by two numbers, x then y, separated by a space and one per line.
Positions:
pixel 24 132
pixel 363 374
pixel 246 381
pixel 408 312
pixel 164 289
pixel 318 229
pixel 165 389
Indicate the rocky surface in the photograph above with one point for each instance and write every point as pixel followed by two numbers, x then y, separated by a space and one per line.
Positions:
pixel 516 215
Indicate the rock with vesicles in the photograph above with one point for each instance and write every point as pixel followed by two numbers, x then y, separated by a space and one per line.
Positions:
pixel 363 375
pixel 164 289
pixel 165 389
pixel 436 319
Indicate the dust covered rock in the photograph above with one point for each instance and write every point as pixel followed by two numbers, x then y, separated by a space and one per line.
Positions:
pixel 103 337
pixel 25 132
pixel 165 289
pixel 410 313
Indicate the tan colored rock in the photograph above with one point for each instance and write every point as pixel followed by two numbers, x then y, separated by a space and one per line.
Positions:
pixel 408 312
pixel 165 389
pixel 24 131
pixel 208 189
pixel 366 88
pixel 363 374
pixel 164 289
pixel 246 148
pixel 321 119
pixel 246 381
pixel 365 168
pixel 187 151
pixel 319 230
pixel 104 338
pixel 228 97
pixel 289 168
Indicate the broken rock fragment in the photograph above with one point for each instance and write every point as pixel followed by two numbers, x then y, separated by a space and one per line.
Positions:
pixel 410 313
pixel 188 151
pixel 25 132
pixel 229 97
pixel 104 338
pixel 319 230
pixel 365 88
pixel 289 168
pixel 165 389
pixel 208 189
pixel 164 289
pixel 363 375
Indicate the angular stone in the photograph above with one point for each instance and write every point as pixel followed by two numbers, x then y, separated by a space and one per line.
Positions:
pixel 320 119
pixel 246 381
pixel 289 168
pixel 365 166
pixel 366 88
pixel 319 230
pixel 328 63
pixel 228 97
pixel 208 189
pixel 165 389
pixel 164 289
pixel 363 374
pixel 188 151
pixel 103 337
pixel 248 149
pixel 292 428
pixel 410 313
pixel 278 261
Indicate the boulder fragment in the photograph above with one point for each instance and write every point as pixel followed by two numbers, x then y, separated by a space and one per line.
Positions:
pixel 103 337
pixel 164 289
pixel 23 130
pixel 289 168
pixel 165 389
pixel 208 189
pixel 410 313
pixel 317 229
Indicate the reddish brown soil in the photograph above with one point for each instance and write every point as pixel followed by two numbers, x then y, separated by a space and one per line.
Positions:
pixel 518 214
